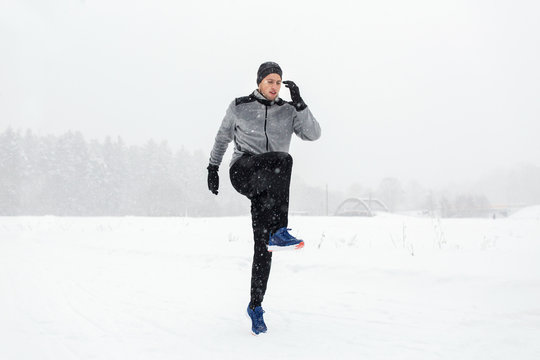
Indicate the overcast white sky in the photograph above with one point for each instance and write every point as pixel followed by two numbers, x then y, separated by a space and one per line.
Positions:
pixel 438 91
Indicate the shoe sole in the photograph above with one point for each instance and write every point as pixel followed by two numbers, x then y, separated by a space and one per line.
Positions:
pixel 272 248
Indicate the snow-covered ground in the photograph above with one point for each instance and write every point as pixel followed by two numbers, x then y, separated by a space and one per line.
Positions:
pixel 388 287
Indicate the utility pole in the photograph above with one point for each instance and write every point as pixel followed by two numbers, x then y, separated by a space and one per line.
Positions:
pixel 327 199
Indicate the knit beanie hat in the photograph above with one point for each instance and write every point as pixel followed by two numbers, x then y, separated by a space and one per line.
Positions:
pixel 266 69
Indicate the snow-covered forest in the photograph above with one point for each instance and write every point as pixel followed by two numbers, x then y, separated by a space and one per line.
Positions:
pixel 67 175
pixel 70 175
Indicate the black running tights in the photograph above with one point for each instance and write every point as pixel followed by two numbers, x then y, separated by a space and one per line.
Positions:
pixel 265 179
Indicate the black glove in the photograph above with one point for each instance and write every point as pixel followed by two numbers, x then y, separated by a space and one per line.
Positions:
pixel 213 178
pixel 297 101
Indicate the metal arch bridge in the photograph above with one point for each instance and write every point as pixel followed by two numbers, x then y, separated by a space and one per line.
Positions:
pixel 360 207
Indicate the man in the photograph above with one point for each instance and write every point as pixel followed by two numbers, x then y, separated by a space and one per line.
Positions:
pixel 261 125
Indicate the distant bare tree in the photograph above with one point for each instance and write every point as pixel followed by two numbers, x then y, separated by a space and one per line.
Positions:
pixel 390 192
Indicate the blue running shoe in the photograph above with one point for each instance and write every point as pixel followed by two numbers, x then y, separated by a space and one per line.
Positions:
pixel 257 322
pixel 282 240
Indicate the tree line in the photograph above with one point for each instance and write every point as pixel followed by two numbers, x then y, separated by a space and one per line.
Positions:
pixel 68 175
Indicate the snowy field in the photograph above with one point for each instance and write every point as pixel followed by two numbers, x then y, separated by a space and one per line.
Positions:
pixel 388 287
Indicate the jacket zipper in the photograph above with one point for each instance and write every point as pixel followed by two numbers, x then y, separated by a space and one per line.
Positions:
pixel 265 119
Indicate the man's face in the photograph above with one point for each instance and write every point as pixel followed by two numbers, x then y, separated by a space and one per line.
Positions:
pixel 270 86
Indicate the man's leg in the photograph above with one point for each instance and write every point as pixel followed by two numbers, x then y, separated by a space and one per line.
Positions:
pixel 265 179
pixel 262 258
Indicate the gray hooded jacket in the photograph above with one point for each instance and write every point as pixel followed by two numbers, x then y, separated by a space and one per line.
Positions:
pixel 258 125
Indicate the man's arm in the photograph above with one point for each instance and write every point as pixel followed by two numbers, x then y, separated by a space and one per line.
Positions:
pixel 305 126
pixel 223 138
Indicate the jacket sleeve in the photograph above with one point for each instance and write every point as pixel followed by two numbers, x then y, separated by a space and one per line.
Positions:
pixel 305 125
pixel 224 136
